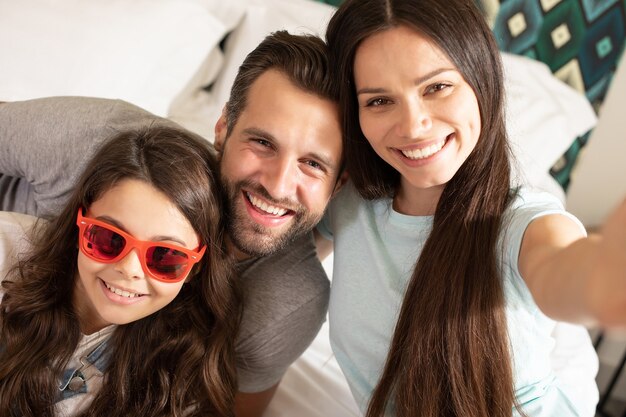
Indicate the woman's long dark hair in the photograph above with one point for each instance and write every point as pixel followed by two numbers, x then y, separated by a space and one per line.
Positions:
pixel 178 359
pixel 450 351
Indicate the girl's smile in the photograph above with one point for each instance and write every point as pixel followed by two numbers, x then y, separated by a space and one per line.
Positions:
pixel 119 295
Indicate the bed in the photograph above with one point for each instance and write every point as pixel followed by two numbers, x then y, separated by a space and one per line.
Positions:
pixel 178 58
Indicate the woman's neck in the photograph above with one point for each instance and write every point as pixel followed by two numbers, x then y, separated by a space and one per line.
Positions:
pixel 414 201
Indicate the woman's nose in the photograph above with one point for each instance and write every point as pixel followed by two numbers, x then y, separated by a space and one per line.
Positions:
pixel 414 120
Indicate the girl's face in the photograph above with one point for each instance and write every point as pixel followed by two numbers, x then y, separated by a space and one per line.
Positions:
pixel 122 292
pixel 415 108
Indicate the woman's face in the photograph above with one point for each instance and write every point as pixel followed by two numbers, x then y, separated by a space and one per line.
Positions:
pixel 122 292
pixel 415 108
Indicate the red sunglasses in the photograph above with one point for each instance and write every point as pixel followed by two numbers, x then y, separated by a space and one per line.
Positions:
pixel 105 243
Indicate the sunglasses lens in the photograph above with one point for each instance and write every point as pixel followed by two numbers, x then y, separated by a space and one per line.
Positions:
pixel 167 263
pixel 102 243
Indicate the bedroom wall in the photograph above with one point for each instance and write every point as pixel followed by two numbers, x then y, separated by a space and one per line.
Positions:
pixel 598 181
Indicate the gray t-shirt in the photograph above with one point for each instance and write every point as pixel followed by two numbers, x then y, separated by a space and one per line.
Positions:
pixel 44 146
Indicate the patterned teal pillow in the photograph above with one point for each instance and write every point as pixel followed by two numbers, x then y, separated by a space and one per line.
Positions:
pixel 581 41
pixel 331 2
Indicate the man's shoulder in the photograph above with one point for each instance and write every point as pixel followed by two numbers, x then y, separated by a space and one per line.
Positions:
pixel 295 268
pixel 285 303
pixel 288 281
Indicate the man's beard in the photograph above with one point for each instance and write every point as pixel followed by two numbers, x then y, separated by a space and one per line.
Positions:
pixel 253 238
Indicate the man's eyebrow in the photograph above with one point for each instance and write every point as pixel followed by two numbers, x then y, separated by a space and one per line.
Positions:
pixel 255 131
pixel 417 81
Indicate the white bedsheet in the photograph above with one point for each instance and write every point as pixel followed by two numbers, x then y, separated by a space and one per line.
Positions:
pixel 314 386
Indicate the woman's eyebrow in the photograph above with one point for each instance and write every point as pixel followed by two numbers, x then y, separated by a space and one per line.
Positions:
pixel 417 81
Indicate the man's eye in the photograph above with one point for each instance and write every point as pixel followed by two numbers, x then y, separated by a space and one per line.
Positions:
pixel 314 164
pixel 263 143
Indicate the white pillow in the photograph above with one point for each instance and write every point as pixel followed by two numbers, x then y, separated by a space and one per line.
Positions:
pixel 544 116
pixel 13 239
pixel 147 52
pixel 261 18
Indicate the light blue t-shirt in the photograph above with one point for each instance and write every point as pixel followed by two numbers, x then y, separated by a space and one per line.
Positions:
pixel 376 249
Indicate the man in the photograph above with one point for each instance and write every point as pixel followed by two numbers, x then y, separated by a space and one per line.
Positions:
pixel 279 144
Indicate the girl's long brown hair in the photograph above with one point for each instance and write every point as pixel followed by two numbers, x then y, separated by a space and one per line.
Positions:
pixel 177 361
pixel 449 355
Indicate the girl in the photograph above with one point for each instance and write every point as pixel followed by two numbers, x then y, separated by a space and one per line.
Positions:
pixel 436 244
pixel 126 304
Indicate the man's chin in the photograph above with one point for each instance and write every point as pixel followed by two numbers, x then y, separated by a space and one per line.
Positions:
pixel 258 246
pixel 253 239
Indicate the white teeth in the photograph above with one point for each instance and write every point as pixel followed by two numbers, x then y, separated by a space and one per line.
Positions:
pixel 424 152
pixel 266 207
pixel 121 292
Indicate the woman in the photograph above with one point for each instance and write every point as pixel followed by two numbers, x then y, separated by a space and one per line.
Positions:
pixel 125 304
pixel 432 240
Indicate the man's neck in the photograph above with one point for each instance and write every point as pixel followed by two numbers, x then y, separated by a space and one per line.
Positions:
pixel 238 254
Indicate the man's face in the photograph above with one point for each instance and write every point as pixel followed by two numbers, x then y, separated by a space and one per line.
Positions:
pixel 279 165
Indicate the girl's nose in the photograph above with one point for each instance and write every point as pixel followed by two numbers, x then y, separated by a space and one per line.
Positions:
pixel 130 265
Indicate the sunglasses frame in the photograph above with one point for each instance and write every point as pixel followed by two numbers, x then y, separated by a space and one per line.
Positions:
pixel 83 223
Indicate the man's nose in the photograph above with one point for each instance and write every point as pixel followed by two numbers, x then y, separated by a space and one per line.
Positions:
pixel 281 178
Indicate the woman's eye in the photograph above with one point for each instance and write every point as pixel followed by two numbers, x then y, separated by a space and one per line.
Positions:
pixel 436 88
pixel 377 102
